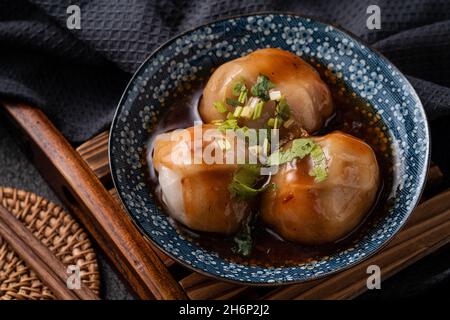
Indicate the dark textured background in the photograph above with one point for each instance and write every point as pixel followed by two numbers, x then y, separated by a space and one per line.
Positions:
pixel 77 76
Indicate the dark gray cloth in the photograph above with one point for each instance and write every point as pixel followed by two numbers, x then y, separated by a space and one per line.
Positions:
pixel 77 76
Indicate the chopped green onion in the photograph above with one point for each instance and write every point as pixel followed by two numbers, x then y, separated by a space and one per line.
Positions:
pixel 219 105
pixel 253 102
pixel 242 97
pixel 229 115
pixel 275 95
pixel 247 112
pixel 277 123
pixel 238 111
pixel 258 110
pixel 271 122
pixel 230 124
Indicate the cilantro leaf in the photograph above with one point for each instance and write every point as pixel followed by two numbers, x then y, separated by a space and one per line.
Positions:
pixel 262 87
pixel 244 180
pixel 319 171
pixel 238 88
pixel 232 102
pixel 283 109
pixel 243 241
pixel 301 148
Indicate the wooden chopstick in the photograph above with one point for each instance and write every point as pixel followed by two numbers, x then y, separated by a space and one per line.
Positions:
pixel 38 257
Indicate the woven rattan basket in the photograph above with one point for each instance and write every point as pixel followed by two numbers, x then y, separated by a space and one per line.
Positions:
pixel 58 231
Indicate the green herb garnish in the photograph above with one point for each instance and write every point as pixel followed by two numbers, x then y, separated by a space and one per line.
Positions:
pixel 243 241
pixel 282 114
pixel 247 112
pixel 258 110
pixel 240 91
pixel 319 171
pixel 243 97
pixel 229 124
pixel 277 122
pixel 262 87
pixel 301 148
pixel 232 102
pixel 238 88
pixel 220 106
pixel 282 109
pixel 245 180
pixel 230 115
pixel 237 112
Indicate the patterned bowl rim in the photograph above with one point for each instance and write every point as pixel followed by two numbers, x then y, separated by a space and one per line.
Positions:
pixel 350 35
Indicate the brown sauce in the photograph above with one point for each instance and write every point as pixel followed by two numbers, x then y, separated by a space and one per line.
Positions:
pixel 352 116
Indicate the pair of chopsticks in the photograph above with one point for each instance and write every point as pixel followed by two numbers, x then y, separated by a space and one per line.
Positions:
pixel 38 257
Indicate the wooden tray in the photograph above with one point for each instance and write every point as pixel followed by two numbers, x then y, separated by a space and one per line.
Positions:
pixel 82 179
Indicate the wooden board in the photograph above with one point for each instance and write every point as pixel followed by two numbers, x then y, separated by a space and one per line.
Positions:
pixel 427 230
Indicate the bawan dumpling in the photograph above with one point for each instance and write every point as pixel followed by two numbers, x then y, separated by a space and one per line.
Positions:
pixel 285 75
pixel 307 211
pixel 195 190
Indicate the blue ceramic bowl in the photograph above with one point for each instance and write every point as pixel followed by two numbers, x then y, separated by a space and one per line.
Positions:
pixel 346 64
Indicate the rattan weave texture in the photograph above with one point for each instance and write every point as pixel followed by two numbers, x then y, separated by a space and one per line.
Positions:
pixel 58 231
